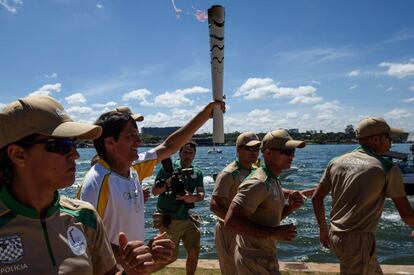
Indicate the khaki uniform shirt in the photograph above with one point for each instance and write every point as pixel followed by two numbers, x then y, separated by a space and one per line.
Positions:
pixel 262 195
pixel 228 181
pixel 69 240
pixel 359 182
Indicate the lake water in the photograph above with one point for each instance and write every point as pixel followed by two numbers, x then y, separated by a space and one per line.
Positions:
pixel 393 241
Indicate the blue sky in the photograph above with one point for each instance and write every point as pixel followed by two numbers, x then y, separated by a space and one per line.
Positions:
pixel 312 65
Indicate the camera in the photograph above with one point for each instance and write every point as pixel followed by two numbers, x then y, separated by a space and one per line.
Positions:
pixel 175 179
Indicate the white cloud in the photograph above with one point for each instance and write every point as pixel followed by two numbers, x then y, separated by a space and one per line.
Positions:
pixel 99 6
pixel 158 119
pixel 292 115
pixel 259 118
pixel 103 105
pixel 138 95
pixel 258 113
pixel 353 87
pixel 306 116
pixel 182 115
pixel 172 100
pixel 47 89
pixel 399 70
pixel 389 89
pixel 408 100
pixel 315 55
pixel 305 100
pixel 294 92
pixel 11 5
pixel 178 98
pixel 411 88
pixel 402 35
pixel 327 106
pixel 193 90
pixel 316 82
pixel 258 88
pixel 52 75
pixel 398 113
pixel 2 105
pixel 354 73
pixel 80 110
pixel 109 104
pixel 75 99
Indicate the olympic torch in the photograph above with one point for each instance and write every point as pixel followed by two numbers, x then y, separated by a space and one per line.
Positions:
pixel 216 31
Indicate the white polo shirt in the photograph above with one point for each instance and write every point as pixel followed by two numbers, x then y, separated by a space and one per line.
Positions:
pixel 119 200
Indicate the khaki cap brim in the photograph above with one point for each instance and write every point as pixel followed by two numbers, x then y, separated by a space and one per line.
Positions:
pixel 253 143
pixel 138 118
pixel 74 130
pixel 292 144
pixel 396 131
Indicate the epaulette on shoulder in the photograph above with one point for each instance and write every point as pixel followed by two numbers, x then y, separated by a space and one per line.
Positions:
pixel 83 211
pixel 259 174
pixel 231 168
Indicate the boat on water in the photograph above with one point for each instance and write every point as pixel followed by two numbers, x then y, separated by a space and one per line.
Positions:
pixel 407 169
pixel 214 150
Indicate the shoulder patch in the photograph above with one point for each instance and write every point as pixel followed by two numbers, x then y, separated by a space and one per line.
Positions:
pixel 84 212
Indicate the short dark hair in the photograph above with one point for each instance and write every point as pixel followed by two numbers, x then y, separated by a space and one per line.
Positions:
pixel 112 124
pixel 192 145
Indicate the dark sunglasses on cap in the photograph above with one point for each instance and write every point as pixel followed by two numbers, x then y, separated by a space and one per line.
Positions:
pixel 61 146
pixel 251 148
pixel 286 152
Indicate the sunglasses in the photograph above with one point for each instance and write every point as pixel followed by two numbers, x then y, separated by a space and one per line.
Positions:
pixel 286 152
pixel 250 148
pixel 61 146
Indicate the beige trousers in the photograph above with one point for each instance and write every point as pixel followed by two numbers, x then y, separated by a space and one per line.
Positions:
pixel 356 252
pixel 225 245
pixel 251 263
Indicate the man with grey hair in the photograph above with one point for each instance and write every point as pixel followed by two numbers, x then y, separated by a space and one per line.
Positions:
pixel 259 206
pixel 227 182
pixel 359 182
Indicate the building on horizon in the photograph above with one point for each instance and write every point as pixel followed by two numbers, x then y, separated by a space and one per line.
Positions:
pixel 159 131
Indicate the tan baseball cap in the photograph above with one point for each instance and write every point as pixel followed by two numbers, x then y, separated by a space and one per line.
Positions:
pixel 372 126
pixel 127 110
pixel 42 115
pixel 280 139
pixel 247 139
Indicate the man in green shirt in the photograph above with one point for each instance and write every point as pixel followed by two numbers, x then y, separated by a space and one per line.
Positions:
pixel 175 207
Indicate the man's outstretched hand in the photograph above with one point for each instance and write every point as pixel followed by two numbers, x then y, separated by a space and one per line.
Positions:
pixel 162 249
pixel 134 256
